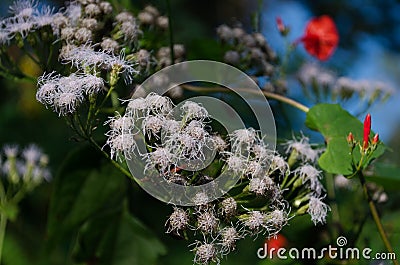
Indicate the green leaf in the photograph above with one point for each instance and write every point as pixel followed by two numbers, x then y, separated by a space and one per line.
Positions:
pixel 123 240
pixel 335 123
pixel 385 175
pixel 86 185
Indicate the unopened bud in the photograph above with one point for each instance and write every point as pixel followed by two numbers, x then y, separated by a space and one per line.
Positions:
pixel 375 140
pixel 350 138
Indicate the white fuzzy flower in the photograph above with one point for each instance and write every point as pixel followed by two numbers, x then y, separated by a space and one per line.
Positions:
pixel 23 8
pixel 178 221
pixel 124 16
pixel 122 124
pixel 276 220
pixel 207 223
pixel 243 139
pixel 254 221
pixel 278 163
pixel 73 12
pixel 205 253
pixel 260 185
pixel 229 237
pixel 121 144
pixel 311 175
pixel 32 154
pixel 311 73
pixel 303 148
pixel 152 125
pixel 228 207
pixel 20 25
pixel 192 110
pixel 158 104
pixel 44 16
pixel 318 210
pixel 161 159
pixel 11 151
pixel 235 163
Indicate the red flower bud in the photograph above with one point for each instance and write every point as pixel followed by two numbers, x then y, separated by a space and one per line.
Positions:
pixel 280 25
pixel 367 131
pixel 375 140
pixel 350 138
pixel 321 37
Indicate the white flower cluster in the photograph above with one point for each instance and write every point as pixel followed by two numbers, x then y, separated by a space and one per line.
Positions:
pixel 309 176
pixel 312 74
pixel 26 17
pixel 64 94
pixel 174 140
pixel 27 166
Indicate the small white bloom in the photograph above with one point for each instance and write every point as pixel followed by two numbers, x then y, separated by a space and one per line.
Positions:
pixel 303 148
pixel 278 163
pixel 228 207
pixel 205 253
pixel 235 163
pixel 254 221
pixel 158 104
pixel 161 159
pixel 192 110
pixel 23 8
pixel 311 175
pixel 121 144
pixel 92 10
pixel 318 210
pixel 276 220
pixel 32 154
pixel 152 125
pixel 243 139
pixel 124 16
pixel 178 221
pixel 229 237
pixel 207 223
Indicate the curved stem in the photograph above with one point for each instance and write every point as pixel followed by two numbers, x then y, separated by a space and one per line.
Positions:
pixel 376 217
pixel 270 95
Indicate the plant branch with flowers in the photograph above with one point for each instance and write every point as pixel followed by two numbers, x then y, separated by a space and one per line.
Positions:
pixel 92 57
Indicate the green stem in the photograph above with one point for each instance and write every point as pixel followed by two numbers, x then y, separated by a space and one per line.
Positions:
pixel 376 217
pixel 115 163
pixel 330 186
pixel 270 95
pixel 3 225
pixel 171 35
pixel 3 219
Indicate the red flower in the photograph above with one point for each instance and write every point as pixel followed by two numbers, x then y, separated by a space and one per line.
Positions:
pixel 367 131
pixel 321 37
pixel 277 242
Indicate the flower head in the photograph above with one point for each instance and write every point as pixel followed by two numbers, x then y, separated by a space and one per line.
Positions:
pixel 318 210
pixel 321 37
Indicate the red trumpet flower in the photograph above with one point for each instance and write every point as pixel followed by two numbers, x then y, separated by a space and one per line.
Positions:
pixel 321 37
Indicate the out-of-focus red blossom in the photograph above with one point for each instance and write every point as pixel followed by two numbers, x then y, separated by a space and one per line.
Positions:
pixel 367 131
pixel 277 242
pixel 320 37
pixel 279 23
